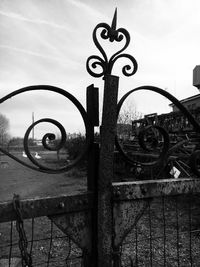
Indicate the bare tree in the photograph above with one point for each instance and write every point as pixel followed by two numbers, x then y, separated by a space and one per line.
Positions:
pixel 4 127
pixel 127 114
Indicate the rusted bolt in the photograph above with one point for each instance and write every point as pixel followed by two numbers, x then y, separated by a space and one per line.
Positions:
pixel 61 205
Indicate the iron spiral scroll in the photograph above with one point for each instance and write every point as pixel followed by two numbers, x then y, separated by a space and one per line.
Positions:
pixel 50 136
pixel 167 150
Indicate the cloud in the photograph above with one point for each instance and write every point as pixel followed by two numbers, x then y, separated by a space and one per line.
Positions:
pixel 158 19
pixel 92 12
pixel 32 53
pixel 17 16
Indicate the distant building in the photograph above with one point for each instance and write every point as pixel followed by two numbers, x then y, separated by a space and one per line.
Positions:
pixel 190 103
pixel 196 76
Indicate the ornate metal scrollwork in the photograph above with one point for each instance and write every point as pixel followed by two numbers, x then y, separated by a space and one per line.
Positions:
pixel 149 143
pixel 106 65
pixel 50 136
pixel 153 143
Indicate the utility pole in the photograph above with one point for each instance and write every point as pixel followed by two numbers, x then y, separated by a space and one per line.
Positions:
pixel 33 120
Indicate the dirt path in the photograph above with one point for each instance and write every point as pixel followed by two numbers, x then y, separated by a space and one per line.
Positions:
pixel 28 183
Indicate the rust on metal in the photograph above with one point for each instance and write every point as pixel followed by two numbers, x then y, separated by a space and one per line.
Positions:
pixel 47 206
pixel 126 214
pixel 154 188
pixel 106 161
pixel 77 226
pixel 131 199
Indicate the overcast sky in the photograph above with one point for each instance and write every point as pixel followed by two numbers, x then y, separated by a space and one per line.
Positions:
pixel 48 42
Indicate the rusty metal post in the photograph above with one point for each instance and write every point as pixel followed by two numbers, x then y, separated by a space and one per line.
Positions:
pixel 107 143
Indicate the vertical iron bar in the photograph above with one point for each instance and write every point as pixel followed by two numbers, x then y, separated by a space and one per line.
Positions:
pixel 92 168
pixel 11 234
pixel 164 231
pixel 117 252
pixel 106 161
pixel 190 231
pixel 150 234
pixel 32 234
pixel 69 250
pixel 50 244
pixel 177 232
pixel 136 246
pixel 93 104
pixel 93 114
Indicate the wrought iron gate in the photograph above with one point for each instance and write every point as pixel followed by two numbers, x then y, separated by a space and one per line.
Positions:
pixel 113 224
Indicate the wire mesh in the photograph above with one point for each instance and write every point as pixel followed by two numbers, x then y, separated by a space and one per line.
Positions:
pixel 167 235
pixel 48 245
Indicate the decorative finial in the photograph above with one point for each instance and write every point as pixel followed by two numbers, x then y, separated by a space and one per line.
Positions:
pixel 113 34
pixel 113 27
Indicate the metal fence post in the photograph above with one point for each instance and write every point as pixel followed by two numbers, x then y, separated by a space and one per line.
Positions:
pixel 92 167
pixel 93 114
pixel 107 142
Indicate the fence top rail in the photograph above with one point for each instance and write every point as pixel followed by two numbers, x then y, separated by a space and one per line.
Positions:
pixel 154 188
pixel 47 206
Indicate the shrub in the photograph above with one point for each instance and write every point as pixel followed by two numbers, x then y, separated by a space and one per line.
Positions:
pixel 74 146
